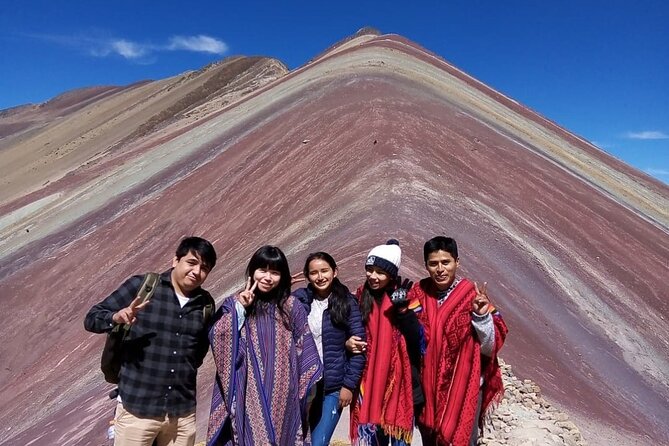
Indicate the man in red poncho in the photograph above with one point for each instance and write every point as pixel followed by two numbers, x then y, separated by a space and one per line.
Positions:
pixel 463 333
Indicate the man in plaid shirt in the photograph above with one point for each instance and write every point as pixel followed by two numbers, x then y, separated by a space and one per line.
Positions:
pixel 168 342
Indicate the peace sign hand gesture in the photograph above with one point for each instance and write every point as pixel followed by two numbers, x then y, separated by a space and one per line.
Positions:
pixel 481 303
pixel 128 315
pixel 247 296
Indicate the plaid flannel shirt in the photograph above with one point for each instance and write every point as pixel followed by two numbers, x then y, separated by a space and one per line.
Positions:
pixel 166 346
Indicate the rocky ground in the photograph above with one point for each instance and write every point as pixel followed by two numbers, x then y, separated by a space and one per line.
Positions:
pixel 403 144
pixel 523 418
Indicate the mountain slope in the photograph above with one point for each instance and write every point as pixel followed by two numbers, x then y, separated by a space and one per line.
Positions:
pixel 375 138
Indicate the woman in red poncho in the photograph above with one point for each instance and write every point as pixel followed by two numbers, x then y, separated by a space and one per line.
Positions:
pixel 463 333
pixel 383 407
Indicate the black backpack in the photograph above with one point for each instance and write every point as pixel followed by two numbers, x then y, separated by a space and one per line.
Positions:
pixel 111 359
pixel 112 355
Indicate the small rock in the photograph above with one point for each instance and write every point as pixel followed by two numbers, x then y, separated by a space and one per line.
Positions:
pixel 568 425
pixel 561 417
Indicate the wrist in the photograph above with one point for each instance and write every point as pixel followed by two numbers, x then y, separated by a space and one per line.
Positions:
pixel 480 317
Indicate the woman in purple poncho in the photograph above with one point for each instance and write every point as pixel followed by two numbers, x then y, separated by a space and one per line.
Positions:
pixel 266 360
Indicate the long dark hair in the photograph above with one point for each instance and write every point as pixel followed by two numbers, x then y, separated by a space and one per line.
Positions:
pixel 368 296
pixel 271 257
pixel 339 306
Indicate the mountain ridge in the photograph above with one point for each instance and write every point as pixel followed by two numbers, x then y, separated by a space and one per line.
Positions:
pixel 365 142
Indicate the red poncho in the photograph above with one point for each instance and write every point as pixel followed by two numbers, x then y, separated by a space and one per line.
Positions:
pixel 452 365
pixel 385 395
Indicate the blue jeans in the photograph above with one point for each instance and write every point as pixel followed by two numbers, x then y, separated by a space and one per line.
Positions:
pixel 330 413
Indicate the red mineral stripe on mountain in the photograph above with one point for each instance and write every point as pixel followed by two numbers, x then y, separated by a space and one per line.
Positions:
pixel 399 143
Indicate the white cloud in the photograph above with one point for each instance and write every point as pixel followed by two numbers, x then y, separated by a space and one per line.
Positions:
pixel 657 172
pixel 107 47
pixel 201 43
pixel 648 134
pixel 141 52
pixel 129 50
pixel 602 145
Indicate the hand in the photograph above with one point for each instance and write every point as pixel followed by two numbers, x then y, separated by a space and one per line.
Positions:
pixel 481 303
pixel 399 296
pixel 345 397
pixel 297 278
pixel 355 344
pixel 247 296
pixel 128 315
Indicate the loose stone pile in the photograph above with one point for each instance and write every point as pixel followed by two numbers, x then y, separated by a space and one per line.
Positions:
pixel 524 418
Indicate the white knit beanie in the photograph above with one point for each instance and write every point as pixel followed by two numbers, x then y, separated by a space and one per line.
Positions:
pixel 387 257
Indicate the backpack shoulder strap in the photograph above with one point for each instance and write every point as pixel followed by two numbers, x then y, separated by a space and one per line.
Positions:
pixel 145 291
pixel 148 287
pixel 207 313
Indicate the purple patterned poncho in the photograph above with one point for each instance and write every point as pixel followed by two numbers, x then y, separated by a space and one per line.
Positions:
pixel 263 375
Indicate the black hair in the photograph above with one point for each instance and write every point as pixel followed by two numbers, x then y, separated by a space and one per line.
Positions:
pixel 338 305
pixel 440 243
pixel 369 295
pixel 272 258
pixel 199 247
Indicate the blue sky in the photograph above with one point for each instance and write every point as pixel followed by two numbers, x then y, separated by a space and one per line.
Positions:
pixel 599 68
